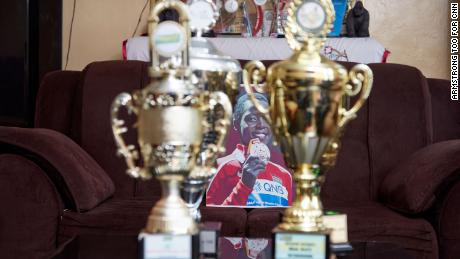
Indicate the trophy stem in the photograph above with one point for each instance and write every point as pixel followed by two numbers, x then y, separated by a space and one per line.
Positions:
pixel 170 214
pixel 306 212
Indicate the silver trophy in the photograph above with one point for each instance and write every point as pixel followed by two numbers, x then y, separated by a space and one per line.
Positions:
pixel 212 72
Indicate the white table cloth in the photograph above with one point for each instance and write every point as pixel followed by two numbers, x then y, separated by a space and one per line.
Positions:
pixel 360 50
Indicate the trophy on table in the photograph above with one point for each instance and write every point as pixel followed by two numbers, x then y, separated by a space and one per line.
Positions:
pixel 212 72
pixel 307 115
pixel 171 123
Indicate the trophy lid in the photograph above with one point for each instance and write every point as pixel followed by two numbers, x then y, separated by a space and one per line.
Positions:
pixel 204 56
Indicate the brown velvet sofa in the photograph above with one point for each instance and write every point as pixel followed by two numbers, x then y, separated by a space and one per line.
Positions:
pixel 65 192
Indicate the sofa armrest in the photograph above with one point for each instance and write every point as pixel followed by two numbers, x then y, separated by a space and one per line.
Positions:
pixel 444 219
pixel 85 180
pixel 30 211
pixel 411 187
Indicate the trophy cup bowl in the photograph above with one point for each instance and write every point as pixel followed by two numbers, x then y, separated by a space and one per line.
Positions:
pixel 169 147
pixel 306 115
pixel 307 112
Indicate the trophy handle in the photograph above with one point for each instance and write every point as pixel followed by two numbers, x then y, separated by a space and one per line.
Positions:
pixel 254 72
pixel 361 79
pixel 220 125
pixel 118 128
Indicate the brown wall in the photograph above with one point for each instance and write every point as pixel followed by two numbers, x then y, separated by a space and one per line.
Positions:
pixel 416 32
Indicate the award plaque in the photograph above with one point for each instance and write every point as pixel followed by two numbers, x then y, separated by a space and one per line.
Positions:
pixel 337 223
pixel 209 238
pixel 299 245
pixel 161 246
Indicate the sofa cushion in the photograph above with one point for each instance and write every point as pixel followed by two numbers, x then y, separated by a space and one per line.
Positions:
pixel 376 223
pixel 262 221
pixel 129 216
pixel 115 216
pixel 111 232
pixel 233 219
pixel 413 186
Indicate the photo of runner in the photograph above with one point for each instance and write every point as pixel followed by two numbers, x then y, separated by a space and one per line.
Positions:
pixel 247 177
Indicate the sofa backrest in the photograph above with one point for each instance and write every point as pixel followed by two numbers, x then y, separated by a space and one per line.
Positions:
pixel 394 123
pixel 446 112
pixel 56 100
pixel 400 120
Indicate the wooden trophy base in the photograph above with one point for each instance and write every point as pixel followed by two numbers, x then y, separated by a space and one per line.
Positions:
pixel 209 238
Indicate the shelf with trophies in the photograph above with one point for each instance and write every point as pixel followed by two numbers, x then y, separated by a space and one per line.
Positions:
pixel 267 40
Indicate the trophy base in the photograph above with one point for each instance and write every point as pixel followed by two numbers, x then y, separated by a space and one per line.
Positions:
pixel 160 246
pixel 293 244
pixel 342 249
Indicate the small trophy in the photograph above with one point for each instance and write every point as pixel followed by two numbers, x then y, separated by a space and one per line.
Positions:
pixel 171 123
pixel 278 30
pixel 307 115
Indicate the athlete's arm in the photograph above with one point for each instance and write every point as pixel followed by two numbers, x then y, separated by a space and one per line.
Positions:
pixel 251 169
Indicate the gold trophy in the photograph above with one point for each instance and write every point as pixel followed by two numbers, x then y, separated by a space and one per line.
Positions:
pixel 212 72
pixel 307 114
pixel 171 124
